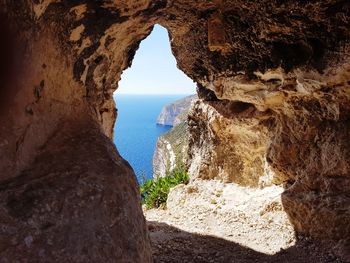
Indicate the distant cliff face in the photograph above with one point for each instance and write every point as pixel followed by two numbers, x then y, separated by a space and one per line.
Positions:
pixel 171 112
pixel 172 147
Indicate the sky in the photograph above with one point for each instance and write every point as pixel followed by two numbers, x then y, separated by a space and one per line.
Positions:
pixel 154 70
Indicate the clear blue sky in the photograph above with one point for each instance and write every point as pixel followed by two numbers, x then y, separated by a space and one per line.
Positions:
pixel 154 70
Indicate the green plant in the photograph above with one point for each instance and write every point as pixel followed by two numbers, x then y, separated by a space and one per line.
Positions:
pixel 154 193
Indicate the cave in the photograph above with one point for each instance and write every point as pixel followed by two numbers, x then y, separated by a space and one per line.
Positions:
pixel 273 82
pixel 144 98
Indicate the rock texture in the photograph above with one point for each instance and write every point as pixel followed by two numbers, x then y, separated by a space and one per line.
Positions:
pixel 279 69
pixel 175 113
pixel 224 210
pixel 171 150
pixel 67 207
pixel 66 194
pixel 236 137
pixel 210 221
pixel 172 147
pixel 276 102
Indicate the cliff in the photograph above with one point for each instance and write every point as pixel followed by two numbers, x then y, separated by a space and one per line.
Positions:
pixel 170 113
pixel 171 150
pixel 172 147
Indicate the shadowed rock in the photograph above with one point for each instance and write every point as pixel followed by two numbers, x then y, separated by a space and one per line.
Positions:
pixel 281 73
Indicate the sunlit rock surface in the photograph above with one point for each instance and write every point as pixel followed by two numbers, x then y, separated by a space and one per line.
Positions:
pixel 278 70
pixel 236 140
pixel 176 112
pixel 172 147
pixel 171 150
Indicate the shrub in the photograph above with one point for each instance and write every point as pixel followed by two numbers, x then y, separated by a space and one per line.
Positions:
pixel 154 193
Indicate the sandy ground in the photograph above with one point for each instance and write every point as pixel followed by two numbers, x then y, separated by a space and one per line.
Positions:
pixel 209 221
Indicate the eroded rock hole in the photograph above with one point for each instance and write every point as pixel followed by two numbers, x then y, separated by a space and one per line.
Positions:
pixel 291 55
pixel 149 110
pixel 216 186
pixel 240 106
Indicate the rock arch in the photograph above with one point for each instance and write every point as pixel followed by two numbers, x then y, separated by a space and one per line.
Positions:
pixel 67 194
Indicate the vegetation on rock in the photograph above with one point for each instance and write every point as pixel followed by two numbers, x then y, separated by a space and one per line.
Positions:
pixel 154 192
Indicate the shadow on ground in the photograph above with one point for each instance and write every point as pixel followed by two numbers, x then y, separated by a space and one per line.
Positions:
pixel 172 245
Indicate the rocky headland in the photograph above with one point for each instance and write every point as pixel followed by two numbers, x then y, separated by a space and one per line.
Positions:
pixel 172 147
pixel 176 112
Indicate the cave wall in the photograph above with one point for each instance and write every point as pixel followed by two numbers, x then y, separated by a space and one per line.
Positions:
pixel 66 194
pixel 288 62
pixel 229 142
pixel 279 70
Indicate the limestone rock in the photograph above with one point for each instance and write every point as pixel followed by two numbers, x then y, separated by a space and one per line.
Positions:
pixel 171 150
pixel 236 140
pixel 67 208
pixel 174 113
pixel 280 73
pixel 172 147
pixel 66 194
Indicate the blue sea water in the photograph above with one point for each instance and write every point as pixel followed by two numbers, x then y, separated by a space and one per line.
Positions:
pixel 136 131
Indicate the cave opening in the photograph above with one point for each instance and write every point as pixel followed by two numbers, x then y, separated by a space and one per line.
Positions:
pixel 269 139
pixel 203 204
pixel 151 83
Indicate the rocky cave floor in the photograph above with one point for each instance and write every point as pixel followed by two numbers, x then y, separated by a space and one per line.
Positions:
pixel 208 221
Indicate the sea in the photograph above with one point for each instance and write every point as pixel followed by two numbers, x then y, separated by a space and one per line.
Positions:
pixel 136 131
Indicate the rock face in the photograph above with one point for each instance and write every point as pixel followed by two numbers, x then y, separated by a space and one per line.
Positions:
pixel 174 113
pixel 172 147
pixel 171 150
pixel 66 194
pixel 71 208
pixel 236 143
pixel 278 70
